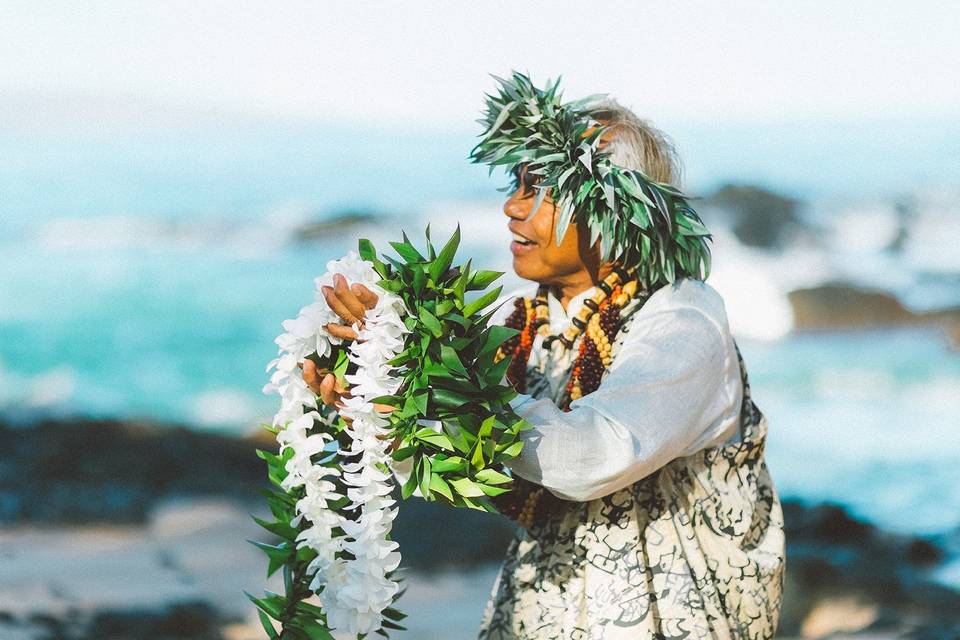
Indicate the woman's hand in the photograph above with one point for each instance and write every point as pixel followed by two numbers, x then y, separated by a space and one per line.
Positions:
pixel 350 302
pixel 331 393
pixel 324 384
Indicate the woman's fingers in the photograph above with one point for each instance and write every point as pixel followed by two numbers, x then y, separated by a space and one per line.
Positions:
pixel 327 393
pixel 341 331
pixel 348 297
pixel 366 297
pixel 311 376
pixel 333 300
pixel 342 391
pixel 350 302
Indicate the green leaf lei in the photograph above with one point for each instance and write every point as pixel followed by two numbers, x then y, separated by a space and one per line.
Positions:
pixel 450 377
pixel 640 222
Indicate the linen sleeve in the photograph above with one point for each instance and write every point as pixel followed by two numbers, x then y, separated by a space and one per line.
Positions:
pixel 663 397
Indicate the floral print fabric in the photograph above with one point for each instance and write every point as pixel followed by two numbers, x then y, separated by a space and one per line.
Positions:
pixel 694 550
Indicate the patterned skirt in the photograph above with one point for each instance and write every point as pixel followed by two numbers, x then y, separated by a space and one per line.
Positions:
pixel 694 550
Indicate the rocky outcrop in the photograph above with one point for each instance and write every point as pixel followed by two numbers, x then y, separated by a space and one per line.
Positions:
pixel 759 218
pixel 842 305
pixel 842 574
pixel 337 224
pixel 82 471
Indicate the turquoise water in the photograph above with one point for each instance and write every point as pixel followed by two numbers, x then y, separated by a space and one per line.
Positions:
pixel 147 277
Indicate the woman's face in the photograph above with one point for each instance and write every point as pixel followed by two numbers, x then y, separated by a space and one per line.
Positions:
pixel 536 255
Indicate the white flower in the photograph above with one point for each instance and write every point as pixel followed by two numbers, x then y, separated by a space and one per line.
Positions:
pixel 355 592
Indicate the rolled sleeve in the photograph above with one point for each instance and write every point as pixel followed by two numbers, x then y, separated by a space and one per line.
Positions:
pixel 661 399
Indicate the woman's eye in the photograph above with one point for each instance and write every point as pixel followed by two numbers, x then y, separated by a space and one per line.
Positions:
pixel 525 178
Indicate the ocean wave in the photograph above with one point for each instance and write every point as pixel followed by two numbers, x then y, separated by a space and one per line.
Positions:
pixel 273 230
pixel 224 408
pixel 47 392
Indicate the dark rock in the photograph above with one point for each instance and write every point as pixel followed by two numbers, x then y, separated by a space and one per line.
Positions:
pixel 117 472
pixel 434 536
pixel 831 553
pixel 922 553
pixel 840 305
pixel 824 522
pixel 109 471
pixel 193 620
pixel 759 218
pixel 337 224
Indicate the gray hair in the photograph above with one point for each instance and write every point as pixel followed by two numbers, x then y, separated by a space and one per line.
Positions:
pixel 638 145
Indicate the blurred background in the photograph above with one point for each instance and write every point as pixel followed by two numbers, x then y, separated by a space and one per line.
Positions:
pixel 173 176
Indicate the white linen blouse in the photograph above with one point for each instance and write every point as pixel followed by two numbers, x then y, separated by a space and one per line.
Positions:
pixel 672 389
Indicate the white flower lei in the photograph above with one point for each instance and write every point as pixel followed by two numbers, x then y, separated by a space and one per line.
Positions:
pixel 355 591
pixel 451 418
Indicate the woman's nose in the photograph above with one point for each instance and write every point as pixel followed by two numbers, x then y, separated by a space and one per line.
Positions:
pixel 516 207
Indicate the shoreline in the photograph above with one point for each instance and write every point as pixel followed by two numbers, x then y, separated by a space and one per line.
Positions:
pixel 82 510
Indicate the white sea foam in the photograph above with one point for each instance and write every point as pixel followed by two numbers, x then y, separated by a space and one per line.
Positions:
pixel 223 408
pixel 265 234
pixel 49 390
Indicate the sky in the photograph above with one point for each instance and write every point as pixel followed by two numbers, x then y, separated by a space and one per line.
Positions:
pixel 428 63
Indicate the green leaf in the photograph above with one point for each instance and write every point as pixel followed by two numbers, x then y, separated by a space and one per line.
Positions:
pixel 494 337
pixel 420 399
pixel 493 491
pixel 316 631
pixel 407 251
pixel 481 302
pixel 467 487
pixel 460 286
pixel 453 463
pixel 482 278
pixel 486 427
pixel 280 529
pixel 513 450
pixel 393 614
pixel 435 438
pixel 492 476
pixel 367 250
pixel 445 258
pixel 477 459
pixel 430 322
pixel 438 484
pixel 279 554
pixel 451 360
pixel 419 279
pixel 495 374
pixel 273 605
pixel 408 487
pixel 268 626
pixel 424 473
pixel 449 399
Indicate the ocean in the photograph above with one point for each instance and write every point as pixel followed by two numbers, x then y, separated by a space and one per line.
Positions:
pixel 145 276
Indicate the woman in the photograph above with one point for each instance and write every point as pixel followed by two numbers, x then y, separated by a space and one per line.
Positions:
pixel 645 505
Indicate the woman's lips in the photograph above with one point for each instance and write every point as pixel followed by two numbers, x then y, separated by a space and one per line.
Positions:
pixel 521 244
pixel 517 248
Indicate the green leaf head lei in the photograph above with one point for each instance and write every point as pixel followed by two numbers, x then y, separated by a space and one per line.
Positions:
pixel 640 222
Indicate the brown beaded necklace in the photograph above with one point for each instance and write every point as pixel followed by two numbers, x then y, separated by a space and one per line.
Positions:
pixel 599 321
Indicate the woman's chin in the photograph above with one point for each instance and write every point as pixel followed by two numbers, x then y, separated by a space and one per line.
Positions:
pixel 527 268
